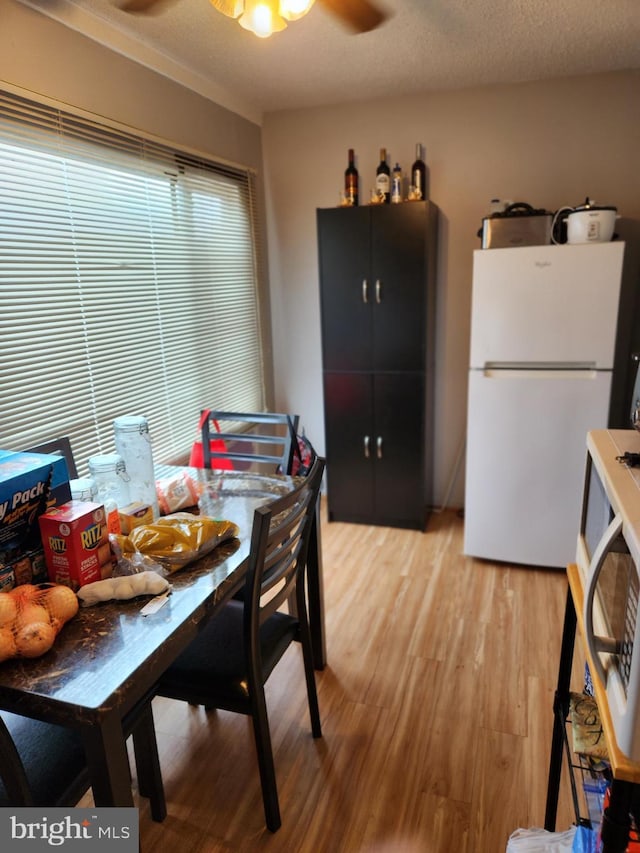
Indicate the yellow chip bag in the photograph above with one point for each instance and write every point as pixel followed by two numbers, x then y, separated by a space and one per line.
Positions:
pixel 177 539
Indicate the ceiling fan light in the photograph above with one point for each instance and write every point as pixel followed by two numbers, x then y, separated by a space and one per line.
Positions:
pixel 294 9
pixel 262 17
pixel 232 8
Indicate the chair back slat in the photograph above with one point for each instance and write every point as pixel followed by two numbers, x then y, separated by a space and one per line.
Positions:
pixel 59 447
pixel 279 545
pixel 246 441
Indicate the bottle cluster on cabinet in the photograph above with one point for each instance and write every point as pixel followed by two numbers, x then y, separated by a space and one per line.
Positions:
pixel 377 289
pixel 390 185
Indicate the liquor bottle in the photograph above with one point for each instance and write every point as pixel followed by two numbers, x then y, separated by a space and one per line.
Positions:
pixel 419 176
pixel 396 185
pixel 383 178
pixel 351 180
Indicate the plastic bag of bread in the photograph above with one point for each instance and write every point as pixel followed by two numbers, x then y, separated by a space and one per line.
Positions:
pixel 31 616
pixel 178 539
pixel 177 492
pixel 122 588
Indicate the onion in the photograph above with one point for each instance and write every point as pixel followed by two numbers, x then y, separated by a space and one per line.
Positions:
pixel 35 639
pixel 25 592
pixel 29 613
pixel 8 609
pixel 56 624
pixel 7 644
pixel 61 603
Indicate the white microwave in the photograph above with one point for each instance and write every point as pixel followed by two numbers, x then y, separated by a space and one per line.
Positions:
pixel 608 556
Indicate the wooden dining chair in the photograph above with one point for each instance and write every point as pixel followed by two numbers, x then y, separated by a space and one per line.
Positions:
pixel 228 663
pixel 59 447
pixel 43 764
pixel 249 439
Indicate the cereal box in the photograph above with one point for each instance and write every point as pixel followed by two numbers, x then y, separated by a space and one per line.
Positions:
pixel 76 543
pixel 30 483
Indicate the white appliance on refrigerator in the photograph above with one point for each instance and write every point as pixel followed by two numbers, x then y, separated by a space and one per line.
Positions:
pixel 543 332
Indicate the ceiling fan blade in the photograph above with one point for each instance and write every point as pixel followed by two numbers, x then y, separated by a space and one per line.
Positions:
pixel 142 7
pixel 360 15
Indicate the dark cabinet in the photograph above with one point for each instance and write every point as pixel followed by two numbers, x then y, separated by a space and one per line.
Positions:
pixel 377 283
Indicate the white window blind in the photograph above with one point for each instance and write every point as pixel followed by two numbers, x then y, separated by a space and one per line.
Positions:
pixel 128 284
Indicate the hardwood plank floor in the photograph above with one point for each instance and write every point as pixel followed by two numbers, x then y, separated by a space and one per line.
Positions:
pixel 436 709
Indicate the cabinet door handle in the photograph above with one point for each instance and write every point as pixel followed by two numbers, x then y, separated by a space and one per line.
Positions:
pixel 379 447
pixel 367 442
pixel 365 291
pixel 378 291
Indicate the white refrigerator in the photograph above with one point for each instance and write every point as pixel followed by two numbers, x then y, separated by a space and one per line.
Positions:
pixel 543 331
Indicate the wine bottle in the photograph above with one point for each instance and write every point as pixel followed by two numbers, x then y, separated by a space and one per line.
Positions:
pixel 419 176
pixel 351 180
pixel 396 184
pixel 383 178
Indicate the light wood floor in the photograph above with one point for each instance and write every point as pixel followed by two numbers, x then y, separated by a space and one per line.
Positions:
pixel 436 707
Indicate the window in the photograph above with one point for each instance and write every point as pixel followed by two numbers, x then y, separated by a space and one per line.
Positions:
pixel 128 284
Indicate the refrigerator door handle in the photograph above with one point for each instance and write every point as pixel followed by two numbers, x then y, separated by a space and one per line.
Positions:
pixel 513 370
pixel 540 365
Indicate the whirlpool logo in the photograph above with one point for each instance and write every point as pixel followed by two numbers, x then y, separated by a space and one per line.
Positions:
pixel 32 830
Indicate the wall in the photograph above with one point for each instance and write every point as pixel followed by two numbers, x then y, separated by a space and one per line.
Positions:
pixel 549 143
pixel 41 56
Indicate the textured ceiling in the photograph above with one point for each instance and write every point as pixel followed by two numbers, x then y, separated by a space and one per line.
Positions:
pixel 424 45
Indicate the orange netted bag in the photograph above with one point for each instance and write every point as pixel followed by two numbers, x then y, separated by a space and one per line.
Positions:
pixel 31 617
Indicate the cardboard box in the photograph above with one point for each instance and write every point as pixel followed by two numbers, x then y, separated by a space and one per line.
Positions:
pixel 134 515
pixel 30 483
pixel 76 543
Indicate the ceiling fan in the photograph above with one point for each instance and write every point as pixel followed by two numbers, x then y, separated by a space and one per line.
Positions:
pixel 266 16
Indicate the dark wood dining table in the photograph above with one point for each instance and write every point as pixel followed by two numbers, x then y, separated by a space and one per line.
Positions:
pixel 109 656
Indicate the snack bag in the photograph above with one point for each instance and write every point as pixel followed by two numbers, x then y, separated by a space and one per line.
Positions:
pixel 177 539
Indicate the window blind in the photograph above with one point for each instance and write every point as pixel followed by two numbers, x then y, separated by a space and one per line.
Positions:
pixel 129 282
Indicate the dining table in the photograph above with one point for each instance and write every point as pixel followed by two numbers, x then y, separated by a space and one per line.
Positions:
pixel 107 659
